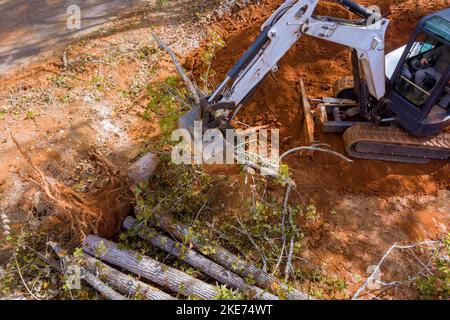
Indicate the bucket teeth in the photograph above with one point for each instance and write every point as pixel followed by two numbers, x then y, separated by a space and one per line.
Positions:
pixel 211 115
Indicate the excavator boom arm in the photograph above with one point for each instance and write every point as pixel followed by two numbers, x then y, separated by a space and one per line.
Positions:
pixel 284 28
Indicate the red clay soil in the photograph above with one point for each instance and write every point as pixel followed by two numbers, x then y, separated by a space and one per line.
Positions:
pixel 320 64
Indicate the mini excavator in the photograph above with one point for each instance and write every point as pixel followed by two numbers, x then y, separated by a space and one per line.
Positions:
pixel 395 107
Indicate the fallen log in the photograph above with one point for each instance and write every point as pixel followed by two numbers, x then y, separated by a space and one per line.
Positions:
pixel 141 170
pixel 197 260
pixel 125 284
pixel 225 258
pixel 85 275
pixel 148 268
pixel 101 287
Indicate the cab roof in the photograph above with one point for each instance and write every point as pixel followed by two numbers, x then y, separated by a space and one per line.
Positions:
pixel 443 14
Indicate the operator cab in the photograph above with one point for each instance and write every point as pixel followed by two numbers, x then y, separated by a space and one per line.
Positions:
pixel 420 85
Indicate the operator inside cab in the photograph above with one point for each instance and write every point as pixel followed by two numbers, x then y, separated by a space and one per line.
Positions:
pixel 433 64
pixel 427 62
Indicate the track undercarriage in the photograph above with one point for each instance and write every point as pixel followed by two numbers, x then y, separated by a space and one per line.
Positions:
pixel 378 142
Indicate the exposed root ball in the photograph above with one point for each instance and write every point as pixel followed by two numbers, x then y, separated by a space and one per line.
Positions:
pixel 74 215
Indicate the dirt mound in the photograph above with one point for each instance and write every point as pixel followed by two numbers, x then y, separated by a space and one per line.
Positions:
pixel 320 64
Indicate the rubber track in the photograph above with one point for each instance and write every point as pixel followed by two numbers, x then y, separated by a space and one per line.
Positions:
pixel 392 136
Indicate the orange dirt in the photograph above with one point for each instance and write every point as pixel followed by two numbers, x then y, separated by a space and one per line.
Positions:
pixel 364 207
pixel 60 142
pixel 276 102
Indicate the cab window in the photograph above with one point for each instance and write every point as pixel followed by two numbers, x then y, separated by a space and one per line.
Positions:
pixel 426 63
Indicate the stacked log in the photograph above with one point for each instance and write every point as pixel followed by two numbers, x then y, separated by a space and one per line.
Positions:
pixel 197 260
pixel 123 283
pixel 102 259
pixel 101 287
pixel 225 258
pixel 216 262
pixel 148 268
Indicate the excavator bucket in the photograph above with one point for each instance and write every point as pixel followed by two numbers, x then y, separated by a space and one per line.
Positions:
pixel 188 122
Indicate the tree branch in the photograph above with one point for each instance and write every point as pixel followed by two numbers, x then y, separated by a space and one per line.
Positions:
pixel 388 252
pixel 179 68
pixel 314 148
pixel 283 222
